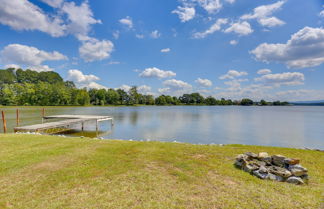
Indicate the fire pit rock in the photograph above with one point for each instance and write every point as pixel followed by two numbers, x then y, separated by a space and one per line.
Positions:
pixel 275 167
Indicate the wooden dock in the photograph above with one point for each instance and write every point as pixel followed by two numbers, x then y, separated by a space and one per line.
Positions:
pixel 66 122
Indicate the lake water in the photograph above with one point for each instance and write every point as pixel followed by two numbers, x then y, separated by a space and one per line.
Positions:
pixel 287 126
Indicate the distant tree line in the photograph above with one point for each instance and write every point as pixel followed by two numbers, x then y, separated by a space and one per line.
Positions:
pixel 27 87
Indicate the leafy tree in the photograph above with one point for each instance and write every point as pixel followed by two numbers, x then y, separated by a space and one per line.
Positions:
pixel 246 102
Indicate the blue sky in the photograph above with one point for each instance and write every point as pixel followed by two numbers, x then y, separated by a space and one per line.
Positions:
pixel 225 48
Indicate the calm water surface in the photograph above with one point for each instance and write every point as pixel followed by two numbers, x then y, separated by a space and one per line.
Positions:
pixel 275 126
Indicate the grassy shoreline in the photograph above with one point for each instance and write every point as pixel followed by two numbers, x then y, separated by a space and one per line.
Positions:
pixel 56 172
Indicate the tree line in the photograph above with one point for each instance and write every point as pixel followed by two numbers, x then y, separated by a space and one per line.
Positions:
pixel 27 87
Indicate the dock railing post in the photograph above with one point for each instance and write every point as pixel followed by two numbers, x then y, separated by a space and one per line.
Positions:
pixel 4 122
pixel 17 117
pixel 43 114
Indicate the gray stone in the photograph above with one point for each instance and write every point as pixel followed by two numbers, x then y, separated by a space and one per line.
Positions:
pixel 251 155
pixel 262 155
pixel 263 169
pixel 241 157
pixel 260 175
pixel 239 163
pixel 278 160
pixel 274 177
pixel 249 168
pixel 291 161
pixel 279 171
pixel 297 170
pixel 295 180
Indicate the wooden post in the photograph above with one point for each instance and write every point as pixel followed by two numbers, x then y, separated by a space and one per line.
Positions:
pixel 4 122
pixel 82 126
pixel 17 117
pixel 97 128
pixel 43 114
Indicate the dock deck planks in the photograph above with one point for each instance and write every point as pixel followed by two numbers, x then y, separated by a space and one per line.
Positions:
pixel 68 120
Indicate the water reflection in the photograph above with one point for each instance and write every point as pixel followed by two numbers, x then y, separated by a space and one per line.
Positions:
pixel 276 126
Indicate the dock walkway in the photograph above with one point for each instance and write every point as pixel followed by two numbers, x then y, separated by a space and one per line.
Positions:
pixel 67 121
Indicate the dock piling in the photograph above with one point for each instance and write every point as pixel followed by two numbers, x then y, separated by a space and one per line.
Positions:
pixel 17 117
pixel 4 122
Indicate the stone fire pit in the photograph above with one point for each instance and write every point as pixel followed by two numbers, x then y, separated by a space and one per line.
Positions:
pixel 275 167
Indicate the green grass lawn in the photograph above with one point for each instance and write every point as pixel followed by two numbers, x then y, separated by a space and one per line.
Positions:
pixel 55 172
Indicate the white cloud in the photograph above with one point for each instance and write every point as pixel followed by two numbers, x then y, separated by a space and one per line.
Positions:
pixel 211 6
pixel 304 49
pixel 166 50
pixel 204 82
pixel 156 73
pixel 215 27
pixel 241 28
pixel 23 15
pixel 29 57
pixel 155 34
pixel 81 80
pixel 125 87
pixel 80 18
pixel 177 84
pixel 164 90
pixel 78 77
pixel 233 42
pixel 139 36
pixel 271 22
pixel 300 95
pixel 144 89
pixel 93 49
pixel 127 21
pixel 113 63
pixel 321 14
pixel 116 34
pixel 231 74
pixel 230 1
pixel 185 13
pixel 288 78
pixel 12 66
pixel 264 71
pixel 53 3
pixel 263 14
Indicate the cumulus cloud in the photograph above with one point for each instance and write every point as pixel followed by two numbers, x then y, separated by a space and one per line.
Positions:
pixel 82 80
pixel 177 84
pixel 127 21
pixel 231 74
pixel 211 6
pixel 78 76
pixel 155 34
pixel 233 42
pixel 125 87
pixel 156 73
pixel 321 14
pixel 93 50
pixel 264 71
pixel 116 34
pixel 241 28
pixel 23 15
pixel 215 27
pixel 185 13
pixel 139 36
pixel 29 56
pixel 288 78
pixel 263 14
pixel 204 82
pixel 53 3
pixel 144 89
pixel 304 49
pixel 299 95
pixel 12 66
pixel 166 50
pixel 80 18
